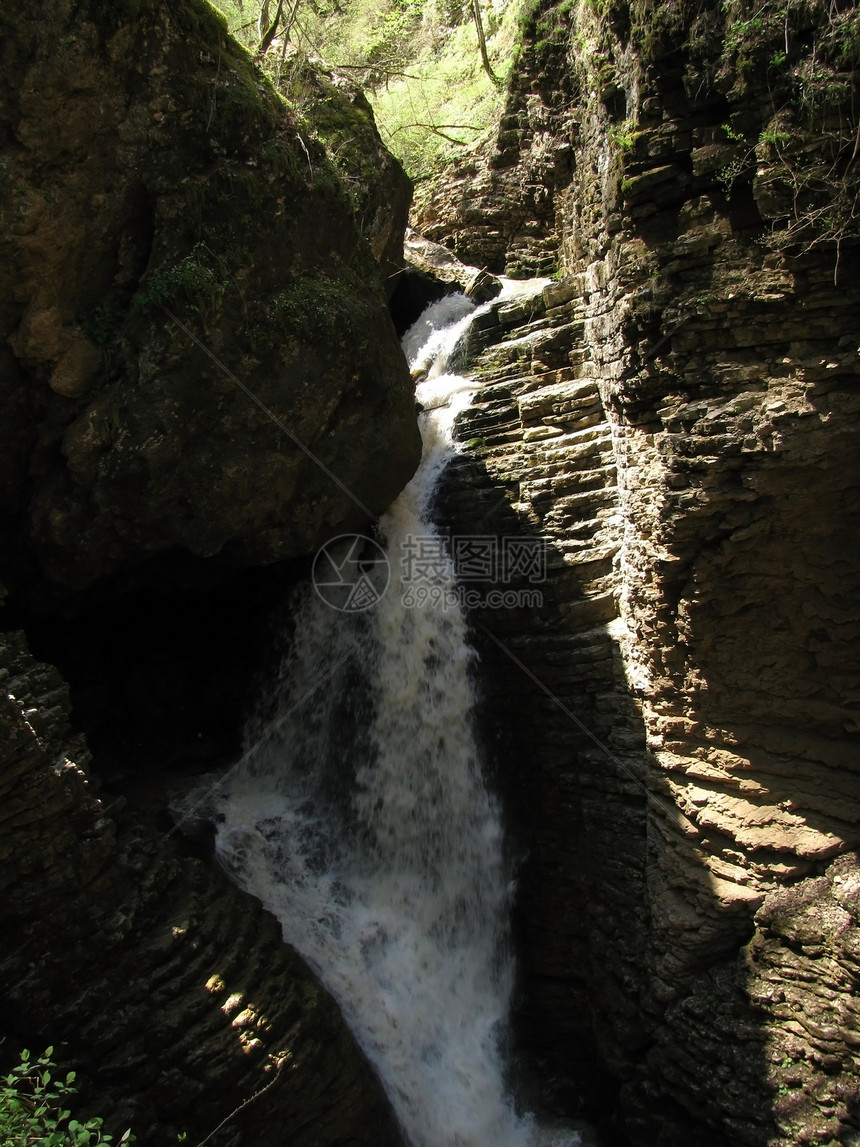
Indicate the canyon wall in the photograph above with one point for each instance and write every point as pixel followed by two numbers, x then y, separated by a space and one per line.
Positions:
pixel 677 416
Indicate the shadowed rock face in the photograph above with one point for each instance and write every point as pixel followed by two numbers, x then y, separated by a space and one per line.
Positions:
pixel 168 990
pixel 147 167
pixel 154 191
pixel 677 416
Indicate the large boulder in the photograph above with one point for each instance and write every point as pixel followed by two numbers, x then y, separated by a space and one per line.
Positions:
pixel 380 189
pixel 195 349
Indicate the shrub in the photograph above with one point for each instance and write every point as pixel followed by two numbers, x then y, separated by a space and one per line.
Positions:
pixel 33 1111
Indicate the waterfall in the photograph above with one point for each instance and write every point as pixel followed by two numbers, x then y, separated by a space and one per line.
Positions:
pixel 360 816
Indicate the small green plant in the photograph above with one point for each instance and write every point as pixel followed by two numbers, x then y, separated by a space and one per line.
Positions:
pixel 624 135
pixel 740 33
pixel 775 137
pixel 192 276
pixel 33 1111
pixel 319 307
pixel 729 175
pixel 734 136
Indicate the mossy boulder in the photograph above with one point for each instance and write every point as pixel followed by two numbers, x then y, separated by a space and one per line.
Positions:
pixel 380 189
pixel 171 233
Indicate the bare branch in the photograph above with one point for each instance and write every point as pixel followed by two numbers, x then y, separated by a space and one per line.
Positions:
pixel 436 128
pixel 482 43
pixel 271 32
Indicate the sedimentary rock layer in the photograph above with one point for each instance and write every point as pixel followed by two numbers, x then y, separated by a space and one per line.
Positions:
pixel 678 417
pixel 170 992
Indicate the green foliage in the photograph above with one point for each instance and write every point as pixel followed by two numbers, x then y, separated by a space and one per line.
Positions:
pixel 730 133
pixel 197 275
pixel 33 1111
pixel 774 137
pixel 729 175
pixel 624 135
pixel 446 103
pixel 741 33
pixel 390 37
pixel 418 60
pixel 791 68
pixel 315 307
pixel 807 53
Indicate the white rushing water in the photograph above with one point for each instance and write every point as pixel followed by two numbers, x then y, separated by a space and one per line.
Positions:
pixel 362 820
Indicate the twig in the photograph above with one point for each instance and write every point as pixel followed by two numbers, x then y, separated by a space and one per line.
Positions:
pixel 307 153
pixel 436 128
pixel 856 148
pixel 247 1103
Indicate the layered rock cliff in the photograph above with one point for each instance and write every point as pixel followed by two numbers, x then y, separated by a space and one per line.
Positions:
pixel 170 991
pixel 677 415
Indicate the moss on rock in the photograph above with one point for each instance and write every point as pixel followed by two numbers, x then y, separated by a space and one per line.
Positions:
pixel 150 167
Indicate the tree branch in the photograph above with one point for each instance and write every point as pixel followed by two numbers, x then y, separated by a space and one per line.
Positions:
pixel 436 128
pixel 482 43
